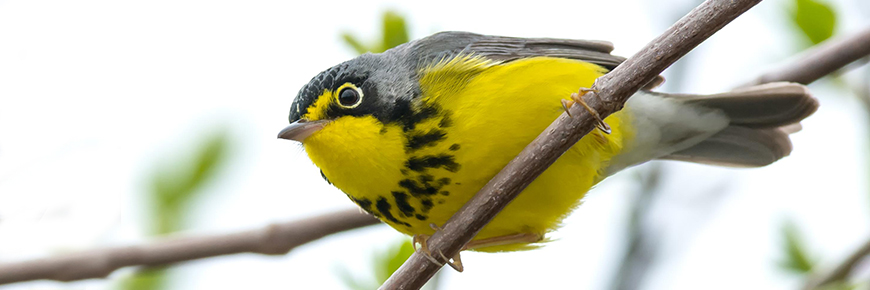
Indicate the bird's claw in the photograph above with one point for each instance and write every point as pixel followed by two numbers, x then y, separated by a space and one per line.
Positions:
pixel 578 98
pixel 456 264
pixel 424 248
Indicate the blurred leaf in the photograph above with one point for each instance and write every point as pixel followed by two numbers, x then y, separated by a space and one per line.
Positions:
pixel 389 261
pixel 839 285
pixel 354 283
pixel 354 43
pixel 176 183
pixel 146 279
pixel 797 258
pixel 384 264
pixel 394 32
pixel 815 19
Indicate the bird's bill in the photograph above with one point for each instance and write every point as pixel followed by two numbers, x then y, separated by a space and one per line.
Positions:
pixel 301 129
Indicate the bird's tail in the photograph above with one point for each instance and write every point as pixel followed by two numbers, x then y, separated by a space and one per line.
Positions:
pixel 760 119
pixel 747 127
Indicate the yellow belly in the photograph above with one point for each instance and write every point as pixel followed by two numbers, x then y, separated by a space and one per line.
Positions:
pixel 483 121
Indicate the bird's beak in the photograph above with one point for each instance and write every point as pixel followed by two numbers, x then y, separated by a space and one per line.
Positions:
pixel 301 129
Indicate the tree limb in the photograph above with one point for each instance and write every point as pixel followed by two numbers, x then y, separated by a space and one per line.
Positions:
pixel 821 60
pixel 613 89
pixel 841 272
pixel 274 239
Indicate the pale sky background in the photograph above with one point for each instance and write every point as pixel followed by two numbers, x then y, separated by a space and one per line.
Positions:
pixel 93 94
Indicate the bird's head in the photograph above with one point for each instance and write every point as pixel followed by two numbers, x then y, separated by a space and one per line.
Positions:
pixel 350 119
pixel 371 87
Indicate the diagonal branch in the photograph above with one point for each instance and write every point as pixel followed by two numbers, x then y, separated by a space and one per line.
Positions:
pixel 841 272
pixel 275 239
pixel 821 60
pixel 613 88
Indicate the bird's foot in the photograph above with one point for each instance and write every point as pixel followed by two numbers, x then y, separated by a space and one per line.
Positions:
pixel 455 263
pixel 578 98
pixel 424 248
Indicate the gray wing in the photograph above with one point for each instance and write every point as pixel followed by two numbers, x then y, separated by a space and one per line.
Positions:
pixel 447 44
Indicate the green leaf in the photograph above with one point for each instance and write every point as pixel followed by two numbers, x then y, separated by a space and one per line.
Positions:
pixel 390 260
pixel 354 43
pixel 797 258
pixel 816 20
pixel 384 264
pixel 176 181
pixel 354 283
pixel 394 32
pixel 146 279
pixel 838 285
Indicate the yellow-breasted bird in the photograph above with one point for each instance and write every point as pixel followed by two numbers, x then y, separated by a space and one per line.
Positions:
pixel 413 133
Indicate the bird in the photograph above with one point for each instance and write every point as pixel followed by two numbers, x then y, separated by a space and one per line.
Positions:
pixel 411 134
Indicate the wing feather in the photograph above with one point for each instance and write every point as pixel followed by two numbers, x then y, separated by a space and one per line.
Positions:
pixel 500 48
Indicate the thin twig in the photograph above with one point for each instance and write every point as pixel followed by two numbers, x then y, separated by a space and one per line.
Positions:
pixel 274 239
pixel 613 88
pixel 841 272
pixel 821 60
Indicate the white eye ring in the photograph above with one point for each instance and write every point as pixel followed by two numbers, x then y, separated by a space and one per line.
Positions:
pixel 349 96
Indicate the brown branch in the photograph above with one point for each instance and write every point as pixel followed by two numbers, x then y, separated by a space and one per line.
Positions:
pixel 613 88
pixel 841 272
pixel 821 60
pixel 274 239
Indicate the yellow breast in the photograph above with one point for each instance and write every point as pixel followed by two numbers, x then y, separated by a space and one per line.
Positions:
pixel 474 116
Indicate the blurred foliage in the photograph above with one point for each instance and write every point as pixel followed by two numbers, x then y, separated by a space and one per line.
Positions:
pixel 384 264
pixel 797 258
pixel 394 32
pixel 388 262
pixel 815 20
pixel 145 279
pixel 839 285
pixel 174 184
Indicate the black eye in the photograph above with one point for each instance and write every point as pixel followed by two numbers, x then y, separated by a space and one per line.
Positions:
pixel 349 97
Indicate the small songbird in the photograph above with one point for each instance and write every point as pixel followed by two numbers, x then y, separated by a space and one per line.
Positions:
pixel 413 133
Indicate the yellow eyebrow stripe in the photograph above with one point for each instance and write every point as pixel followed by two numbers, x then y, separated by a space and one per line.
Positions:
pixel 318 110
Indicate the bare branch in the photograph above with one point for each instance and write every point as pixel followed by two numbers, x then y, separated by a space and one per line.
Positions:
pixel 841 272
pixel 821 60
pixel 613 88
pixel 274 239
